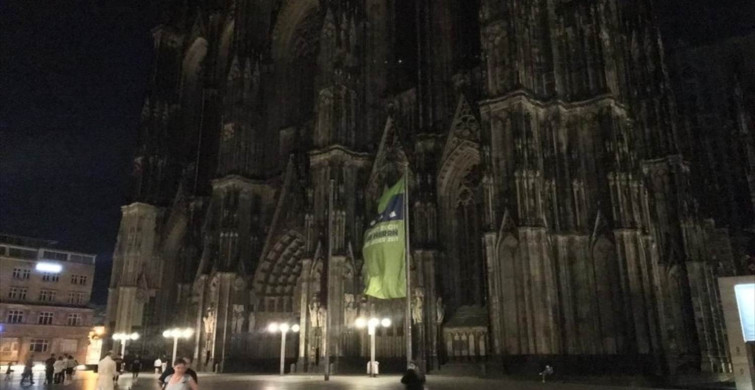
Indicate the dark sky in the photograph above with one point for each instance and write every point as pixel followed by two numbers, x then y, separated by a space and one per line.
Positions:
pixel 73 79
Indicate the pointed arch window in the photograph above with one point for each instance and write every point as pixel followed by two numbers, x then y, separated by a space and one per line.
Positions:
pixel 468 244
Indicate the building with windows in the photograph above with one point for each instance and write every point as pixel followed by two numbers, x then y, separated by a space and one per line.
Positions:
pixel 556 209
pixel 44 293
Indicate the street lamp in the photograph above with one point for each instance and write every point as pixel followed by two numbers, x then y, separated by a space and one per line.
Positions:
pixel 372 324
pixel 283 328
pixel 123 338
pixel 175 334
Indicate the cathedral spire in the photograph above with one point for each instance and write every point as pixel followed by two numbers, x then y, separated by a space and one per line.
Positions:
pixel 328 46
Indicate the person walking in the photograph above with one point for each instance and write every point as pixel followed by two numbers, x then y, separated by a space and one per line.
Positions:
pixel 412 379
pixel 170 371
pixel 180 379
pixel 28 374
pixel 9 371
pixel 59 368
pixel 50 369
pixel 158 366
pixel 136 368
pixel 105 372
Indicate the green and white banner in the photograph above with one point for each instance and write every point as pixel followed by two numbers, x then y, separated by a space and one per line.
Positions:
pixel 385 246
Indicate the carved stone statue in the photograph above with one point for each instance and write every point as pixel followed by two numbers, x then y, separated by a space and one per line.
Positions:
pixel 314 309
pixel 252 321
pixel 440 310
pixel 350 310
pixel 417 304
pixel 237 322
pixel 209 320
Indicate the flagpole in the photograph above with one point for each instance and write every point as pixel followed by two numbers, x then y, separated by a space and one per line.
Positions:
pixel 408 314
pixel 326 334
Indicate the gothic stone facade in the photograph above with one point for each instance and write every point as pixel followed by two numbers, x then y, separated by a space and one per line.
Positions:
pixel 552 218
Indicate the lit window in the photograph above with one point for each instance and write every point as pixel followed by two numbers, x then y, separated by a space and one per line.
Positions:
pixel 47 296
pixel 15 317
pixel 21 273
pixel 74 319
pixel 38 345
pixel 17 293
pixel 45 318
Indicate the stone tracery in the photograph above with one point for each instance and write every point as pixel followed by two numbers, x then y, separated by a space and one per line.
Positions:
pixel 543 219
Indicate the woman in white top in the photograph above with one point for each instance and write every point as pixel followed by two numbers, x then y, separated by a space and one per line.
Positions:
pixel 180 380
pixel 158 366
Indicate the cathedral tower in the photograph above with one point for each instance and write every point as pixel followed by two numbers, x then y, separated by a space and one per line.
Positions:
pixel 551 212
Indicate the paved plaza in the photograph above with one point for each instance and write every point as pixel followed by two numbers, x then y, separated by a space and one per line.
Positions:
pixel 87 381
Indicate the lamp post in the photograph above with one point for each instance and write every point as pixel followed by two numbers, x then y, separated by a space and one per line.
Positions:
pixel 175 334
pixel 372 324
pixel 123 338
pixel 283 328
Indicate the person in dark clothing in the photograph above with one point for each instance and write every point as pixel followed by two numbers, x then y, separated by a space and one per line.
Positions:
pixel 169 371
pixel 28 367
pixel 9 371
pixel 118 368
pixel 412 379
pixel 50 369
pixel 136 367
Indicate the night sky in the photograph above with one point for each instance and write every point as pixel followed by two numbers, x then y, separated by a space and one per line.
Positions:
pixel 72 81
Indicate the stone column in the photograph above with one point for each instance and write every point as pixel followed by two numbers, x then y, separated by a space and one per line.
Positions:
pixel 494 292
pixel 304 322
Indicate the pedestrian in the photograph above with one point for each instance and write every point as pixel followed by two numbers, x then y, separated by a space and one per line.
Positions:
pixel 70 367
pixel 9 371
pixel 158 366
pixel 28 373
pixel 105 372
pixel 118 369
pixel 136 368
pixel 412 379
pixel 187 361
pixel 180 379
pixel 59 368
pixel 373 368
pixel 50 369
pixel 548 370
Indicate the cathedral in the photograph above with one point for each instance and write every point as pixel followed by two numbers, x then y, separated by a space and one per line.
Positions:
pixel 553 213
